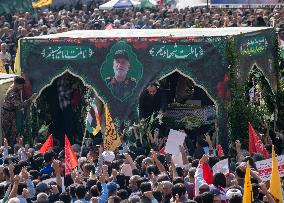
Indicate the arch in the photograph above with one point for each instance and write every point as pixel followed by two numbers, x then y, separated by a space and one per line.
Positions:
pixel 275 110
pixel 67 70
pixel 255 65
pixel 176 70
pixel 80 119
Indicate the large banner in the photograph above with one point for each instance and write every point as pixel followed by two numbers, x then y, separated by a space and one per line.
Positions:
pixel 120 69
pixel 256 2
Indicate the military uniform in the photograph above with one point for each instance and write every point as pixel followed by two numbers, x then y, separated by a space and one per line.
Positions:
pixel 12 102
pixel 121 90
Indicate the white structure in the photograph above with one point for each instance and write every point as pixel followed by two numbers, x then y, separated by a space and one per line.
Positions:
pixel 180 4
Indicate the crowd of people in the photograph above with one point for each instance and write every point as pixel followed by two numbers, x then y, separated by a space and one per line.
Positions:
pixel 130 175
pixel 136 172
pixel 14 26
pixel 140 172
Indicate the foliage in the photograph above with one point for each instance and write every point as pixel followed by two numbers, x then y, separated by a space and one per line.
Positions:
pixel 240 109
pixel 280 106
pixel 187 123
pixel 146 126
pixel 190 122
pixel 39 117
pixel 36 127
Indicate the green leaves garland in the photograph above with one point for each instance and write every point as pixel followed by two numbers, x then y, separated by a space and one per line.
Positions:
pixel 240 110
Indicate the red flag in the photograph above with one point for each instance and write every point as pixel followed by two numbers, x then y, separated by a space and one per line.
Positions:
pixel 220 151
pixel 47 145
pixel 109 27
pixel 163 151
pixel 71 160
pixel 255 143
pixel 207 173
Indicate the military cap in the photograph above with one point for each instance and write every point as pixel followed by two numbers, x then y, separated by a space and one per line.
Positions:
pixel 121 54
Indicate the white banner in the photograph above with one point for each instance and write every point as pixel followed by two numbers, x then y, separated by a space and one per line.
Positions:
pixel 221 167
pixel 264 167
pixel 175 139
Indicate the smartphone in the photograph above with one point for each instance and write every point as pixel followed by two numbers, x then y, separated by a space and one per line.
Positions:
pixel 168 158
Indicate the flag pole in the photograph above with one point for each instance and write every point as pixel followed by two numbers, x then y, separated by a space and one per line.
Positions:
pixel 83 141
pixel 85 132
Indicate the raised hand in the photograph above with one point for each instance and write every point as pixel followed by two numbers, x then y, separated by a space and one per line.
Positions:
pixel 114 173
pixel 55 165
pixel 127 157
pixel 176 199
pixel 24 173
pixel 5 143
pixel 153 155
pixel 105 169
pixel 17 179
pixel 102 178
pixel 26 193
pixel 238 145
pixel 204 158
pixel 263 188
pixel 11 168
pixel 181 148
pixel 207 138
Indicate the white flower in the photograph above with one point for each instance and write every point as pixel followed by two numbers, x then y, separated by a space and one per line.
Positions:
pixel 152 119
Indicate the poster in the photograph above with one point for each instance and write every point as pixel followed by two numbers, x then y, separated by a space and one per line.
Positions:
pixel 175 139
pixel 264 167
pixel 221 167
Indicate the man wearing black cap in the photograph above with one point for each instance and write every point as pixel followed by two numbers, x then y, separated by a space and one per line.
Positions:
pixel 13 102
pixel 120 85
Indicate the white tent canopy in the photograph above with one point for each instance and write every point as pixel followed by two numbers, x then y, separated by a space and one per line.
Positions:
pixel 180 4
pixel 111 4
pixel 128 33
pixel 108 5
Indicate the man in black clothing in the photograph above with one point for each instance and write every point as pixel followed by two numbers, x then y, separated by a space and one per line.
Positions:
pixel 152 100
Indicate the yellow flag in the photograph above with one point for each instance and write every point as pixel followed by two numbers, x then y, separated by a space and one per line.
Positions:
pixel 275 185
pixel 97 130
pixel 111 139
pixel 17 65
pixel 247 198
pixel 2 67
pixel 41 3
